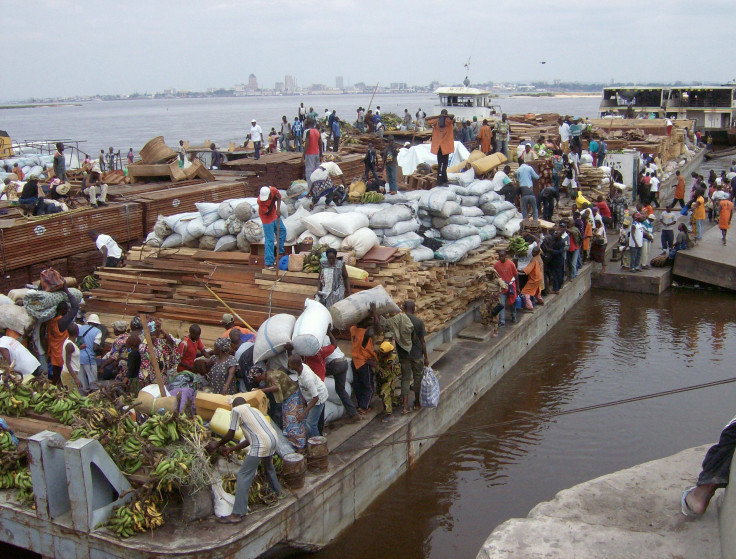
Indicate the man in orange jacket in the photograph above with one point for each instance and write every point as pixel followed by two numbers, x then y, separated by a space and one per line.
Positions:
pixel 443 142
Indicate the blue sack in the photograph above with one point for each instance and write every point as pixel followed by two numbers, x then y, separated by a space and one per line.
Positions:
pixel 284 263
pixel 684 211
pixel 517 303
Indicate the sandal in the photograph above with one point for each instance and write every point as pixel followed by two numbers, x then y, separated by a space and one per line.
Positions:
pixel 685 508
pixel 230 519
pixel 405 412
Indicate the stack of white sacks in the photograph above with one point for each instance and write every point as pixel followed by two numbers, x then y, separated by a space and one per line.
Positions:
pixel 459 216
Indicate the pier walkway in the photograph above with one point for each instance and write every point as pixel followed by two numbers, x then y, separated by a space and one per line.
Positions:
pixel 709 261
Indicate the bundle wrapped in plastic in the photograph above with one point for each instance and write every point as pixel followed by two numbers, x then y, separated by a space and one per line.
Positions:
pixel 207 242
pixel 253 231
pixel 480 187
pixel 208 211
pixel 161 229
pixel 344 224
pixel 472 212
pixel 172 241
pixel 216 229
pixel 234 225
pixel 273 336
pixel 385 219
pixel 407 240
pixel 153 240
pixel 361 242
pixel 243 211
pixel 16 318
pixel 356 307
pixel 510 228
pixel 421 253
pixel 41 305
pixel 226 243
pixel 487 232
pixel 294 224
pixel 454 232
pixel 452 252
pixel 331 241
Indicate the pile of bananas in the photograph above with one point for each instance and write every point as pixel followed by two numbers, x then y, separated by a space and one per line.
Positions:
pixel 6 441
pixel 89 283
pixel 371 198
pixel 174 470
pixel 260 492
pixel 229 483
pixel 25 485
pixel 311 261
pixel 164 429
pixel 61 402
pixel 518 246
pixel 138 516
pixel 15 397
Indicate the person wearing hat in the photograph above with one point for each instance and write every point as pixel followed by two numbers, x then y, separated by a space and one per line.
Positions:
pixel 285 393
pixel 90 339
pixel 228 322
pixel 269 210
pixel 256 136
pixel 313 391
pixel 388 370
pixel 111 252
pixel 115 362
pixel 94 188
pixel 322 185
pixel 576 133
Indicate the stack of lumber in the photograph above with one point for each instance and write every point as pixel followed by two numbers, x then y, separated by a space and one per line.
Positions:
pixel 418 181
pixel 145 172
pixel 358 143
pixel 283 168
pixel 594 181
pixel 530 126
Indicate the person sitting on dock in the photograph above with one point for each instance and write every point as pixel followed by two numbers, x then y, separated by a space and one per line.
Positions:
pixel 263 442
pixel 31 197
pixel 190 348
pixel 93 187
pixel 269 210
pixel 715 473
pixel 111 251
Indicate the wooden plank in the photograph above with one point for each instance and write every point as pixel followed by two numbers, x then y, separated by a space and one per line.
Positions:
pixel 32 427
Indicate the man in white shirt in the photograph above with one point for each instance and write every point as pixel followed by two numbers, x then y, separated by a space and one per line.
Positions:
pixel 13 351
pixel 636 242
pixel 314 392
pixel 564 130
pixel 501 178
pixel 654 189
pixel 111 252
pixel 263 442
pixel 668 221
pixel 336 366
pixel 256 136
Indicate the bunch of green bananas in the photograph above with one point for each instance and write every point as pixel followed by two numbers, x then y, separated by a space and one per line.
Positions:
pixel 518 246
pixel 161 430
pixel 371 198
pixel 136 517
pixel 129 460
pixel 89 283
pixel 7 479
pixel 311 261
pixel 6 441
pixel 229 483
pixel 25 485
pixel 61 402
pixel 174 470
pixel 15 398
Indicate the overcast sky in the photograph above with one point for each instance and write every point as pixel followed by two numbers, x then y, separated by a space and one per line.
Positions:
pixel 79 47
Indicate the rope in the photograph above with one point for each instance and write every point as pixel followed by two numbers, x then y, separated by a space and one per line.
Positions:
pixel 2 249
pixel 545 416
pixel 273 286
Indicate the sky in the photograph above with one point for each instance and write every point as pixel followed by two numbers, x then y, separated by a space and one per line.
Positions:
pixel 83 47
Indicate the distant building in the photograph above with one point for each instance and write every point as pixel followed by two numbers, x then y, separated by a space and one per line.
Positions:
pixel 252 82
pixel 279 86
pixel 317 87
pixel 338 82
pixel 289 83
pixel 398 85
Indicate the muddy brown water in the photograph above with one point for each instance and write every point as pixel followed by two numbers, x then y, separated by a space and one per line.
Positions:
pixel 610 346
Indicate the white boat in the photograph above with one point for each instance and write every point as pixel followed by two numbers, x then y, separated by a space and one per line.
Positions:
pixel 466 102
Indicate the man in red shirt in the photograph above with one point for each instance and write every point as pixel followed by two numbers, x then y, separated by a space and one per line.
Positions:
pixel 269 210
pixel 507 272
pixel 318 362
pixel 190 348
pixel 605 211
pixel 312 150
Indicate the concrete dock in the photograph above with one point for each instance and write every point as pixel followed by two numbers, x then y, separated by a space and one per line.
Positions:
pixel 709 262
pixel 633 513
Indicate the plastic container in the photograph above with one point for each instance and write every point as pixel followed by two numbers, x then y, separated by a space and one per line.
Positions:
pixel 220 423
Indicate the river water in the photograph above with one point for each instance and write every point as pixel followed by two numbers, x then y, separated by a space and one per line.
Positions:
pixel 608 347
pixel 126 124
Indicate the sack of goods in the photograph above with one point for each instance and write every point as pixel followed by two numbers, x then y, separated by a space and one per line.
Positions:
pixel 41 305
pixel 356 307
pixel 343 225
pixel 272 336
pixel 429 392
pixel 310 328
pixel 360 242
pixel 452 252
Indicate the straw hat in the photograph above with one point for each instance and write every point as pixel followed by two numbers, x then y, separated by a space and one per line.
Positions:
pixel 63 189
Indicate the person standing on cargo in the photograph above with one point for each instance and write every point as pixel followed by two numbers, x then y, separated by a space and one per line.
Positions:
pixel 101 160
pixel 484 137
pixel 312 151
pixel 506 270
pixel 336 134
pixel 256 136
pixel 390 165
pixel 564 130
pixel 111 159
pixel 503 131
pixel 443 142
pixel 269 210
pixel 302 112
pixel 297 129
pixel 526 175
pixel 263 441
pixel 285 134
pixel 576 132
pixel 364 363
pixel 59 163
pixel 56 333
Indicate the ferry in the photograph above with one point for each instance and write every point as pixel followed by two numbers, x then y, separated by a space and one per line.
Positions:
pixel 466 102
pixel 713 108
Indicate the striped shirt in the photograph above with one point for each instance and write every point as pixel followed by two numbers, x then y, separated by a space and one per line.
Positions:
pixel 257 428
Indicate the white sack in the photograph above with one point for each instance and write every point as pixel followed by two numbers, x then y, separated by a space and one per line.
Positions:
pixel 310 328
pixel 226 243
pixel 361 242
pixel 356 307
pixel 346 224
pixel 272 336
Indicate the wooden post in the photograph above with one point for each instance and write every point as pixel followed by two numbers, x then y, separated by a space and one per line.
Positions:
pixel 154 359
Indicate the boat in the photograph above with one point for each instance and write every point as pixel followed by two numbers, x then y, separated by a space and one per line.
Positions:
pixel 712 107
pixel 466 102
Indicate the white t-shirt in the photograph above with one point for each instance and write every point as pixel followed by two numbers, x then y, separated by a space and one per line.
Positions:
pixel 654 184
pixel 668 221
pixel 311 385
pixel 74 358
pixel 256 134
pixel 637 235
pixel 564 130
pixel 113 250
pixel 336 354
pixel 498 180
pixel 25 362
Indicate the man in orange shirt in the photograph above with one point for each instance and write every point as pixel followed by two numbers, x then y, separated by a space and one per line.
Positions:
pixel 364 363
pixel 56 334
pixel 724 219
pixel 443 142
pixel 484 137
pixel 679 191
pixel 699 216
pixel 506 270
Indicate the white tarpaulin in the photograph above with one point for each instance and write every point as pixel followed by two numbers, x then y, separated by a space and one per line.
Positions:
pixel 409 159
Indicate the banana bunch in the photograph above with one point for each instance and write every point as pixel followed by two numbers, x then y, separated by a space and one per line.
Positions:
pixel 59 401
pixel 518 246
pixel 24 484
pixel 229 483
pixel 311 261
pixel 6 441
pixel 89 283
pixel 7 479
pixel 174 470
pixel 161 430
pixel 130 457
pixel 136 517
pixel 15 398
pixel 371 198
